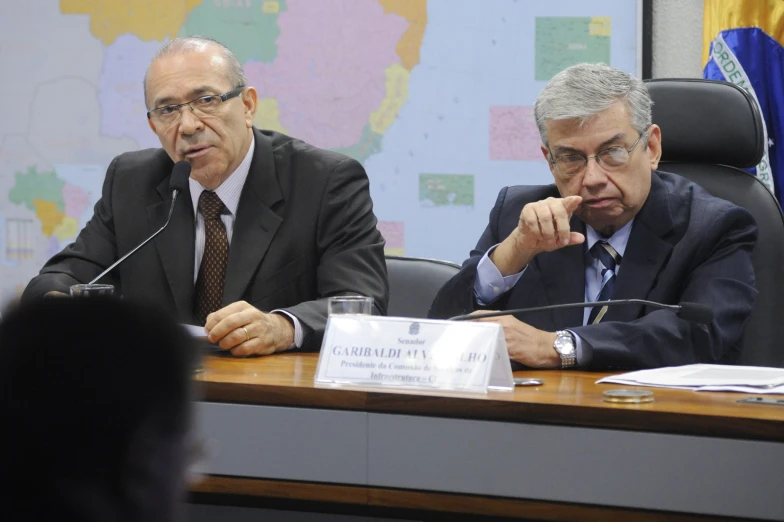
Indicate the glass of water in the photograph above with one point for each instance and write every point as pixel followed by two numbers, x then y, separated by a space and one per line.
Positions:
pixel 92 290
pixel 350 304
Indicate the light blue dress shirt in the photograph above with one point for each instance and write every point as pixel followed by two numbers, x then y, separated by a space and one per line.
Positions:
pixel 229 192
pixel 490 284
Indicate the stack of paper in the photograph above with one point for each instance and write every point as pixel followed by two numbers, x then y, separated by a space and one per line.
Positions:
pixel 707 377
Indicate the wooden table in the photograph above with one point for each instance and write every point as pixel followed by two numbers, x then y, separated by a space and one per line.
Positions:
pixel 553 452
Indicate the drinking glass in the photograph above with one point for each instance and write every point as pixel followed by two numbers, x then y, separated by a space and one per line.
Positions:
pixel 350 304
pixel 92 290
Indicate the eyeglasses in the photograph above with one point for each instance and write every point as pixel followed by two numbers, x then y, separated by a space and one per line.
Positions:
pixel 204 106
pixel 610 159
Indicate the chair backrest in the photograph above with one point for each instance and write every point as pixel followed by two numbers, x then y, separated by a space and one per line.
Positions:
pixel 414 283
pixel 710 131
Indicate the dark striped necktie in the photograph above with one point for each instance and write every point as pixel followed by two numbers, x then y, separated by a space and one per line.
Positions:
pixel 609 259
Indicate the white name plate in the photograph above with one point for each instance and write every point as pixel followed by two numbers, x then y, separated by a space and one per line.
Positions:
pixel 421 354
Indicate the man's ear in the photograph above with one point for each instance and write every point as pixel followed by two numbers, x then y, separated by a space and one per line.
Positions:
pixel 250 98
pixel 654 146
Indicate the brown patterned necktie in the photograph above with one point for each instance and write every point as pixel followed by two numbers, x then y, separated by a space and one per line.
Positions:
pixel 212 271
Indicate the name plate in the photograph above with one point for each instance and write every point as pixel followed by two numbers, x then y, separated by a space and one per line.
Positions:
pixel 396 352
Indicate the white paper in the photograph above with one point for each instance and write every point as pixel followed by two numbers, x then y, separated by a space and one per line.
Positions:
pixel 195 331
pixel 706 377
pixel 744 389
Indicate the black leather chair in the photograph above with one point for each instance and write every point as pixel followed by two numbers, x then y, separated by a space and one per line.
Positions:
pixel 414 282
pixel 710 131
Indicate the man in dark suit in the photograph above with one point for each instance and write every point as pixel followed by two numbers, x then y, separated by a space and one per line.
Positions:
pixel 611 226
pixel 270 228
pixel 95 397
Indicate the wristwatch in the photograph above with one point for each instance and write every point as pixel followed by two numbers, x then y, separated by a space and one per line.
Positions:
pixel 565 346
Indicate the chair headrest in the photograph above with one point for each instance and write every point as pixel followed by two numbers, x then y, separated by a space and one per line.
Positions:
pixel 707 121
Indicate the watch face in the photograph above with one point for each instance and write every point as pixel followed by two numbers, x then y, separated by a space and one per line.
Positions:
pixel 564 345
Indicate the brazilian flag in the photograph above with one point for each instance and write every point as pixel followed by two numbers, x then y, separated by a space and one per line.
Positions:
pixel 743 43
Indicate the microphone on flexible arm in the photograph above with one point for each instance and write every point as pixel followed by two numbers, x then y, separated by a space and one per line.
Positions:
pixel 694 312
pixel 178 181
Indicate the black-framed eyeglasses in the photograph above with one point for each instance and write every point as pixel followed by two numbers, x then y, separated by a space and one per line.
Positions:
pixel 202 106
pixel 612 158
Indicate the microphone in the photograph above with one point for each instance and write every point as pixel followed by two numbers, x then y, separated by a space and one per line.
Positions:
pixel 177 183
pixel 694 312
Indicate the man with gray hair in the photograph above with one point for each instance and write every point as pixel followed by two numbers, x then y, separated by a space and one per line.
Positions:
pixel 611 227
pixel 268 228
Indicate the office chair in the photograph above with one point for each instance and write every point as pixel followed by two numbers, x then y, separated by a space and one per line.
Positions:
pixel 414 282
pixel 710 131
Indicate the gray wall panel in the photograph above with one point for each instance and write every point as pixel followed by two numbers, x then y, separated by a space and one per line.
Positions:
pixel 558 463
pixel 620 468
pixel 284 443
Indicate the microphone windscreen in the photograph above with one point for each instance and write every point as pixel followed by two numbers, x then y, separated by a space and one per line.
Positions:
pixel 696 313
pixel 179 176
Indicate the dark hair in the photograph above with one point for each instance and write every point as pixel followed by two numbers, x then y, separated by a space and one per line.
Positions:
pixel 79 379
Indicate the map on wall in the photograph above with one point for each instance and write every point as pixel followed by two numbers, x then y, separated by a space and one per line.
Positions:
pixel 434 97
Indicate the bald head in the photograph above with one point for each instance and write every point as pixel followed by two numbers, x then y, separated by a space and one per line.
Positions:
pixel 199 44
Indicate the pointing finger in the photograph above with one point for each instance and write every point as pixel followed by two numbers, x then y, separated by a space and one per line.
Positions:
pixel 571 203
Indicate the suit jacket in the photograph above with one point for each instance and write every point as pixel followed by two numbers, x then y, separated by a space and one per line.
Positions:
pixel 685 245
pixel 304 231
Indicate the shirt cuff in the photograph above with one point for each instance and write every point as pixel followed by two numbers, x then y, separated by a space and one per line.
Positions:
pixel 582 356
pixel 490 284
pixel 298 333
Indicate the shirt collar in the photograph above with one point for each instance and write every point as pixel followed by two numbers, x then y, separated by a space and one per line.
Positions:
pixel 618 240
pixel 230 190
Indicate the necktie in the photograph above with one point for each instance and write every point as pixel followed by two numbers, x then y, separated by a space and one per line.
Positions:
pixel 609 259
pixel 212 271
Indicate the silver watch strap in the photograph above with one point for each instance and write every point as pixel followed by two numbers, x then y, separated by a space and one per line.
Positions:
pixel 568 360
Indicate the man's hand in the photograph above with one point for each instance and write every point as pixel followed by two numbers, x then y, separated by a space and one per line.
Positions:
pixel 245 330
pixel 543 227
pixel 55 293
pixel 526 344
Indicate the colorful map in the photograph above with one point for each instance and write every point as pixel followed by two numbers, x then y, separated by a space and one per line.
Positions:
pixel 57 204
pixel 434 98
pixel 562 41
pixel 514 135
pixel 437 190
pixel 394 233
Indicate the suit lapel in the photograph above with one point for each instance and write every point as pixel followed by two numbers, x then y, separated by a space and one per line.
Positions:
pixel 563 274
pixel 174 244
pixel 646 253
pixel 255 224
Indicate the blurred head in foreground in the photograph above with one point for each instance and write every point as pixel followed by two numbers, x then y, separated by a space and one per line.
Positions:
pixel 94 401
